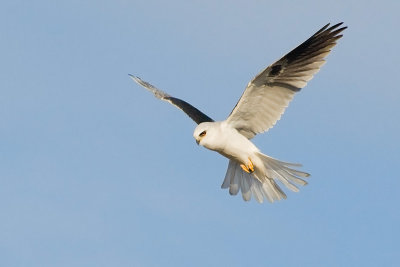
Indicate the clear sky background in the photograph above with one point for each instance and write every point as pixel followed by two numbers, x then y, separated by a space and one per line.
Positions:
pixel 94 171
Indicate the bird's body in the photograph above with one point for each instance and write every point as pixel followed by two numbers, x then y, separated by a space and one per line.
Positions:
pixel 227 141
pixel 249 169
pixel 260 107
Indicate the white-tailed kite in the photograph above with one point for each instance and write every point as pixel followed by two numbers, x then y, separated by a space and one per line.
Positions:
pixel 260 107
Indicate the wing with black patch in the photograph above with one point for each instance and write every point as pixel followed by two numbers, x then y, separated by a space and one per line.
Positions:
pixel 270 92
pixel 298 66
pixel 191 111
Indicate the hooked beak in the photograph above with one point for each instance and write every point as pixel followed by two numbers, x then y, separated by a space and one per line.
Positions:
pixel 197 141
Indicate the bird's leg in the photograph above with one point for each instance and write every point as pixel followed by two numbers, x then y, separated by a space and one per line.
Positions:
pixel 244 168
pixel 249 168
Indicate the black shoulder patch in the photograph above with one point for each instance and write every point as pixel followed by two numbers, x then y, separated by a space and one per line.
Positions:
pixel 275 70
pixel 191 111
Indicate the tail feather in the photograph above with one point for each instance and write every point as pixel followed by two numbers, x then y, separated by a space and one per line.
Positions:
pixel 266 189
pixel 294 179
pixel 257 193
pixel 288 174
pixel 296 172
pixel 229 173
pixel 284 163
pixel 234 185
pixel 273 191
pixel 285 181
pixel 263 187
pixel 245 183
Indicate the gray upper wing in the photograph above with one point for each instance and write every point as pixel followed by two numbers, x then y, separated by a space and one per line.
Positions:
pixel 269 93
pixel 191 111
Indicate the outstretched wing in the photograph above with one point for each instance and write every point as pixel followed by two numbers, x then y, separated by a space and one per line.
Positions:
pixel 269 93
pixel 191 111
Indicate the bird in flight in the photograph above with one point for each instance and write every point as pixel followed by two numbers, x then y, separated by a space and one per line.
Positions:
pixel 262 104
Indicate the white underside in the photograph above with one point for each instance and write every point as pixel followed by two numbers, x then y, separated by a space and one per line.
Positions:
pixel 262 183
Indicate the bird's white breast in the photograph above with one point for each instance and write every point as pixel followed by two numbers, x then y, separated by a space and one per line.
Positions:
pixel 230 143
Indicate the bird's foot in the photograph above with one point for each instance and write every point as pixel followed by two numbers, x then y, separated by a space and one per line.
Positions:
pixel 249 168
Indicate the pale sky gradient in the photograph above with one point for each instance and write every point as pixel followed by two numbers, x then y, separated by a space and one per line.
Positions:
pixel 94 171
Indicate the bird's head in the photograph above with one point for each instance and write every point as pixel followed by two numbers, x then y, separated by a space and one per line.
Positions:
pixel 205 133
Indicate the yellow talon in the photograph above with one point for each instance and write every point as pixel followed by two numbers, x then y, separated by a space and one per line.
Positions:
pixel 251 166
pixel 244 168
pixel 248 169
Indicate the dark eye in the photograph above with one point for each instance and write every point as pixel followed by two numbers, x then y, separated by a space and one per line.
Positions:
pixel 203 133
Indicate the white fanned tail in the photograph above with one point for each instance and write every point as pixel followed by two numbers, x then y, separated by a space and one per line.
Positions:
pixel 238 180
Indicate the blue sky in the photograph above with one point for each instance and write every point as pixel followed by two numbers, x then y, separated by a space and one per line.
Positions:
pixel 94 171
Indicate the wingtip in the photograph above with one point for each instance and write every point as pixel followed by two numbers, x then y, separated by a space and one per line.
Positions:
pixel 338 26
pixel 140 81
pixel 135 78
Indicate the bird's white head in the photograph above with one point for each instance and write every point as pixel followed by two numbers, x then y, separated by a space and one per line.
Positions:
pixel 206 133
